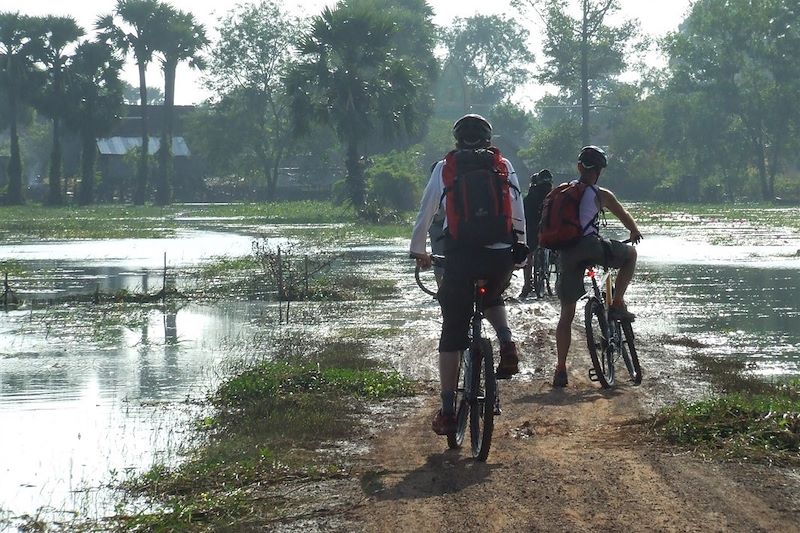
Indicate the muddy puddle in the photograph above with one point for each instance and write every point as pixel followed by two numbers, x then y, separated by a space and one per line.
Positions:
pixel 89 394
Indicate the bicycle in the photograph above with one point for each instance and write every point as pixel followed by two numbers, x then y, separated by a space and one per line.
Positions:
pixel 477 395
pixel 545 266
pixel 608 340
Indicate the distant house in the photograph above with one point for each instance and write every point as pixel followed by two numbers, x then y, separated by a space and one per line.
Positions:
pixel 118 154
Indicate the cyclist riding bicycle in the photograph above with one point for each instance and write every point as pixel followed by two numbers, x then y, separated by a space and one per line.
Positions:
pixel 541 184
pixel 592 249
pixel 466 262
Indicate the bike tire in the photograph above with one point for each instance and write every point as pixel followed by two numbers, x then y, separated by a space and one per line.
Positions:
pixel 538 273
pixel 547 275
pixel 455 440
pixel 597 342
pixel 483 394
pixel 629 355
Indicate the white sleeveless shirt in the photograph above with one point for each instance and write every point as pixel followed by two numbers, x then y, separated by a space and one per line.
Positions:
pixel 590 210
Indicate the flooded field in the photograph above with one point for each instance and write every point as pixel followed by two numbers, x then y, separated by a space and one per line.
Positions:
pixel 91 392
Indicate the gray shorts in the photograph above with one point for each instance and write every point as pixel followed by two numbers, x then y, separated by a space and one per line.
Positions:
pixel 590 250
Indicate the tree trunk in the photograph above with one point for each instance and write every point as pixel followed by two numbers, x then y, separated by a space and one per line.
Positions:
pixel 164 191
pixel 585 75
pixel 355 176
pixel 140 189
pixel 55 197
pixel 273 179
pixel 15 162
pixel 761 164
pixel 88 156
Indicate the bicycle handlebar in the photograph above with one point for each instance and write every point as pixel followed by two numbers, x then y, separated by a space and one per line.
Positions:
pixel 436 260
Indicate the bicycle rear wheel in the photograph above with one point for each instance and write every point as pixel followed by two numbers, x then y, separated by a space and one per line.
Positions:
pixel 539 280
pixel 554 269
pixel 455 440
pixel 629 354
pixel 598 344
pixel 547 272
pixel 483 394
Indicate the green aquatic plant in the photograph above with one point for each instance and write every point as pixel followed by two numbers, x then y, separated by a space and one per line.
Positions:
pixel 267 424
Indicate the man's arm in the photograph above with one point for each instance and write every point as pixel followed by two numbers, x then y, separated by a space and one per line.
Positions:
pixel 427 210
pixel 610 201
pixel 517 204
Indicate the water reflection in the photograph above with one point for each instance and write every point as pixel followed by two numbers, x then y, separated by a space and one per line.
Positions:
pixel 74 407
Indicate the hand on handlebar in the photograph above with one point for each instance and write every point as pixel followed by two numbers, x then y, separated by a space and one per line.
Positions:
pixel 424 261
pixel 635 237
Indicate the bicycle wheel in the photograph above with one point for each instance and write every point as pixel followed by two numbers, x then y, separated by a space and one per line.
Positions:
pixel 538 273
pixel 629 354
pixel 597 341
pixel 547 272
pixel 462 404
pixel 483 393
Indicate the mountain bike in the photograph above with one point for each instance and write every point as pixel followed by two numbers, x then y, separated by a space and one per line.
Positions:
pixel 608 340
pixel 477 395
pixel 545 268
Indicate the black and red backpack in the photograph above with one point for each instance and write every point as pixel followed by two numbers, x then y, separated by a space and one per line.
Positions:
pixel 478 197
pixel 560 225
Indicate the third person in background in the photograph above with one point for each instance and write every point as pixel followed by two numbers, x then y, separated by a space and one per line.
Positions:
pixel 541 184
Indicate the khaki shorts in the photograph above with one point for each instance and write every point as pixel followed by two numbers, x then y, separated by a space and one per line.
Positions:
pixel 590 250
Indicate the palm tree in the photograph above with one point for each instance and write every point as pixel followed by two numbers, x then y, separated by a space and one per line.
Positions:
pixel 59 33
pixel 94 95
pixel 18 49
pixel 134 27
pixel 182 39
pixel 351 79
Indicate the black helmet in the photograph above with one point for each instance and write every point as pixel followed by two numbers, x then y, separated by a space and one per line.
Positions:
pixel 543 176
pixel 593 157
pixel 472 131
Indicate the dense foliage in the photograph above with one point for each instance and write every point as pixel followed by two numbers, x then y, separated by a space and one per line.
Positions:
pixel 356 95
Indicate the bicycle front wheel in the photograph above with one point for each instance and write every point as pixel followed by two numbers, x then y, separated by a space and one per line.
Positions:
pixel 598 344
pixel 629 354
pixel 454 440
pixel 483 394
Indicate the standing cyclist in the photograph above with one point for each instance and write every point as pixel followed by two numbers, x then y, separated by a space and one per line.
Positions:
pixel 592 249
pixel 465 262
pixel 541 184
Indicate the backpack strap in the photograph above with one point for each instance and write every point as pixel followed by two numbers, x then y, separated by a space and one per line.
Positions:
pixel 448 174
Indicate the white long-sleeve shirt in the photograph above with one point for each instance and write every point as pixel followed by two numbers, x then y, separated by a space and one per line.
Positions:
pixel 430 204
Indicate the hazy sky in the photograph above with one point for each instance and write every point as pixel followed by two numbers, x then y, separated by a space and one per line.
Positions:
pixel 656 18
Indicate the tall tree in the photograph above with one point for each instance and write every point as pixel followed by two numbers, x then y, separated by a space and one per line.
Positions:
pixel 59 33
pixel 181 40
pixel 352 77
pixel 756 82
pixel 94 94
pixel 246 68
pixel 133 28
pixel 600 49
pixel 19 46
pixel 489 56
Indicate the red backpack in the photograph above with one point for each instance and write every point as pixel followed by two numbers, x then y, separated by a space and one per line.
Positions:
pixel 560 225
pixel 477 190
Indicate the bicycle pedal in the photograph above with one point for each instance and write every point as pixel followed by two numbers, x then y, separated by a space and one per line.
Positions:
pixel 593 375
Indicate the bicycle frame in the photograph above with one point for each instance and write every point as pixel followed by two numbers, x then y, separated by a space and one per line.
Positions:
pixel 616 337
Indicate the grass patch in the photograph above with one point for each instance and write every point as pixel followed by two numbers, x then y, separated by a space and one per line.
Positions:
pixel 759 214
pixel 350 287
pixel 123 221
pixel 267 425
pixel 751 420
pixel 745 426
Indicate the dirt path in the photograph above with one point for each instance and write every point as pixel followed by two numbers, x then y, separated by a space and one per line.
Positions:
pixel 577 459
